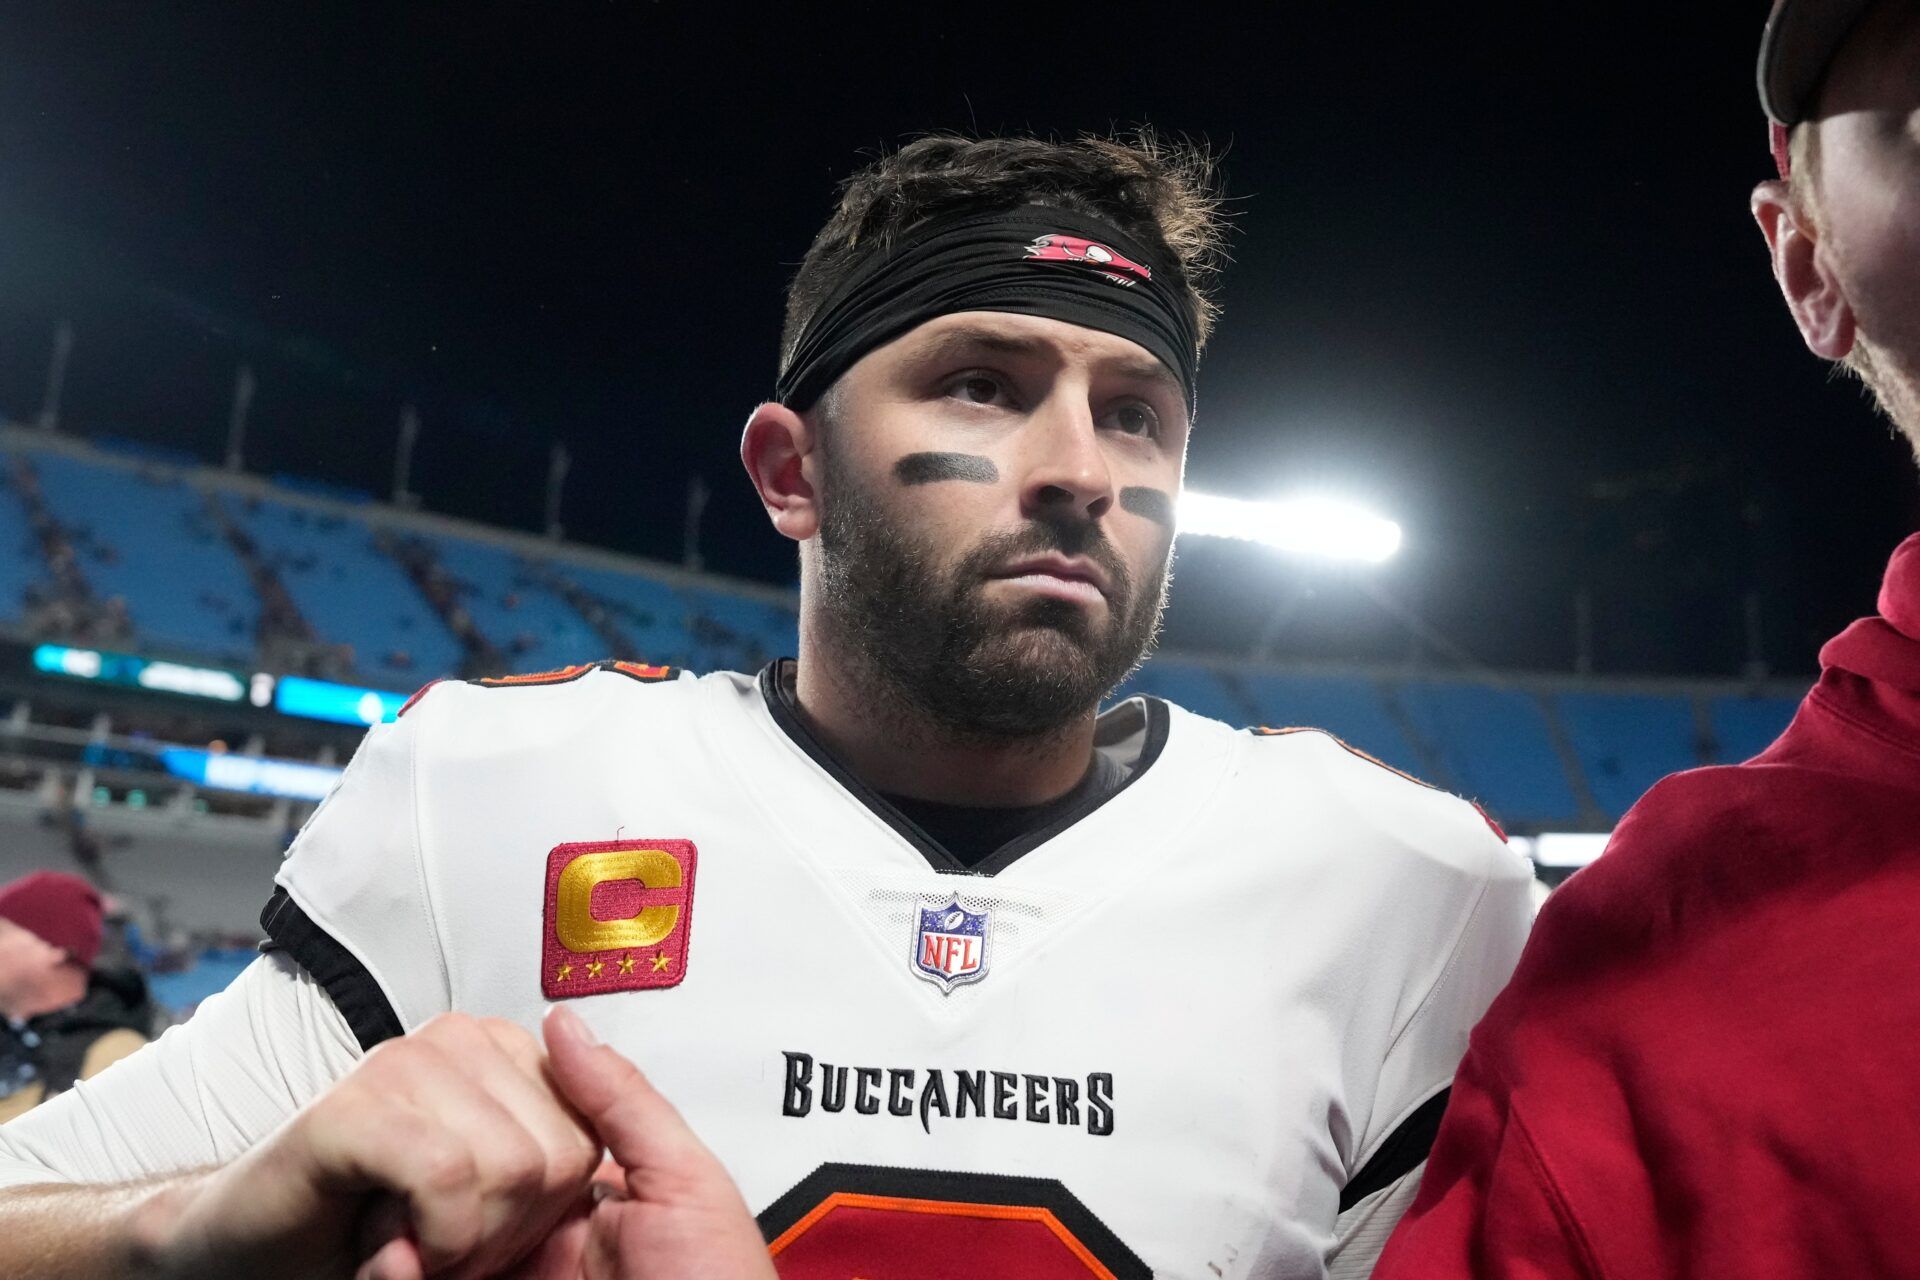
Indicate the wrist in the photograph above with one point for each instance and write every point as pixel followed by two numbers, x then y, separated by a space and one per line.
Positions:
pixel 157 1229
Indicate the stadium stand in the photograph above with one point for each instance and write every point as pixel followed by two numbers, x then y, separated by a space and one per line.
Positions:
pixel 1492 745
pixel 20 568
pixel 1199 689
pixel 1744 726
pixel 350 592
pixel 511 602
pixel 148 540
pixel 1628 742
pixel 1349 708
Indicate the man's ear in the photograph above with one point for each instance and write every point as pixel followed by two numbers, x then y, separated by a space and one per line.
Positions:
pixel 1805 272
pixel 775 449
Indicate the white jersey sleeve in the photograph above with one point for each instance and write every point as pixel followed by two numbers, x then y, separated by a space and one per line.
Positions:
pixel 1470 959
pixel 353 904
pixel 1452 911
pixel 200 1095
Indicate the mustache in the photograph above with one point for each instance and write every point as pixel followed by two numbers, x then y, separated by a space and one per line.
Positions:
pixel 1037 537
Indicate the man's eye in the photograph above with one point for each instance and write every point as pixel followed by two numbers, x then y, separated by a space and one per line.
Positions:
pixel 978 388
pixel 1136 420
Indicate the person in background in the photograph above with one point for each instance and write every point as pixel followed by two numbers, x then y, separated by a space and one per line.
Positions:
pixel 1704 1064
pixel 60 1019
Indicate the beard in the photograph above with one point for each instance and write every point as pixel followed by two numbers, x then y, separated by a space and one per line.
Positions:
pixel 970 666
pixel 1886 347
pixel 1891 373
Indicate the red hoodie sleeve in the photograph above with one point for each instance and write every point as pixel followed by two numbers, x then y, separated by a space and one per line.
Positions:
pixel 1488 1206
pixel 1589 1121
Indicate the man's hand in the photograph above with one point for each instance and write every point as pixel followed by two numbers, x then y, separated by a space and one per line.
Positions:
pixel 669 1211
pixel 447 1152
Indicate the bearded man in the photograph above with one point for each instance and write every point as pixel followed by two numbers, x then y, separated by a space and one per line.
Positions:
pixel 1703 1066
pixel 979 982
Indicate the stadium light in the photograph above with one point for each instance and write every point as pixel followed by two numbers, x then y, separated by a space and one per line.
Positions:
pixel 1315 526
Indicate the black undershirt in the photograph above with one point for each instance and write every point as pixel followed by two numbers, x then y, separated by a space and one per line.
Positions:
pixel 970 834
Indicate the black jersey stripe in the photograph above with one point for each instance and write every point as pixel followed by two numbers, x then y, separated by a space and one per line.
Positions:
pixel 1400 1154
pixel 353 990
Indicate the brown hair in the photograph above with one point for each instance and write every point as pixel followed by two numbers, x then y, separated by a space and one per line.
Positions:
pixel 1160 193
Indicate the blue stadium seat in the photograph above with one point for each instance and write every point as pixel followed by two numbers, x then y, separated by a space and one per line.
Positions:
pixel 1744 727
pixel 734 633
pixel 20 563
pixel 150 542
pixel 1495 747
pixel 648 611
pixel 1628 742
pixel 351 592
pixel 534 629
pixel 1345 706
pixel 1196 688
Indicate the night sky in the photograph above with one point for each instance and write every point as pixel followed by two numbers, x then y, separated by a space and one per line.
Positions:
pixel 1494 275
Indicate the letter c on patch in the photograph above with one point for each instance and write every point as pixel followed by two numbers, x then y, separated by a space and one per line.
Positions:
pixel 573 914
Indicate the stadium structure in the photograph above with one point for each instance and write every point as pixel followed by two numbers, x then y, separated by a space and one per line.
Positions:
pixel 190 655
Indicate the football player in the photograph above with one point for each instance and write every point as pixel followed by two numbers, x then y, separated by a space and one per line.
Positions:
pixel 952 975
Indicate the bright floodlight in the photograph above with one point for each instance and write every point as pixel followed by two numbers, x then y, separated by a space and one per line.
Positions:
pixel 1324 527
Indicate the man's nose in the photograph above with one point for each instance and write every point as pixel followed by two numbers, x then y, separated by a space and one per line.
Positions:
pixel 1065 468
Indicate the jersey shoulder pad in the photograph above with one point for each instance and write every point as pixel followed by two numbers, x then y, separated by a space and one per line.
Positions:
pixel 1439 794
pixel 1263 731
pixel 645 673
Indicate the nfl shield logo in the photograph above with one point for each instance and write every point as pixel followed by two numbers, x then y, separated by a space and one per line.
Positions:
pixel 950 945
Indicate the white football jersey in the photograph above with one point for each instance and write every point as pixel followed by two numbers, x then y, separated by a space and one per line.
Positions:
pixel 1173 1034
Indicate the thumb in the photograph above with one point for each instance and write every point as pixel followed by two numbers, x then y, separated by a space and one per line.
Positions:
pixel 639 1128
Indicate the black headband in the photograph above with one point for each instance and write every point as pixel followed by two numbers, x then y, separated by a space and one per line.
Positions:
pixel 1032 261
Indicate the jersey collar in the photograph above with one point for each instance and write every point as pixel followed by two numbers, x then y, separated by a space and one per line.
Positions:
pixel 1142 719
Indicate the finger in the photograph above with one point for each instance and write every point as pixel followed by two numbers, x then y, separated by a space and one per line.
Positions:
pixel 383 1222
pixel 512 1124
pixel 395 1260
pixel 415 1155
pixel 639 1127
pixel 559 1256
pixel 527 1091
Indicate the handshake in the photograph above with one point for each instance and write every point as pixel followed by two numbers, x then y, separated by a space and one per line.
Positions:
pixel 464 1151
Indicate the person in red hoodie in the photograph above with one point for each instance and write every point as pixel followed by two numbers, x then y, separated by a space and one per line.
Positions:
pixel 1706 1063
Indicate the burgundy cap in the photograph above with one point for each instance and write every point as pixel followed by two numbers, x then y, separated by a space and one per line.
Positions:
pixel 64 910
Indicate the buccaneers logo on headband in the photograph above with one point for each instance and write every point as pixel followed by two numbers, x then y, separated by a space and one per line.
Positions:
pixel 1058 247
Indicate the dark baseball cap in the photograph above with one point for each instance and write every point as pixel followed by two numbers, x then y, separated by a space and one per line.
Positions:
pixel 1802 37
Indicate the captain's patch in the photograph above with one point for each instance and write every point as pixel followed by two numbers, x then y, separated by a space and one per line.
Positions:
pixel 618 916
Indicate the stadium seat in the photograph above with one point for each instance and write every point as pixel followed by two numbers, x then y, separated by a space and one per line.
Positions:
pixel 1495 748
pixel 1345 706
pixel 1196 688
pixel 1744 727
pixel 20 563
pixel 150 542
pixel 350 592
pixel 1628 742
pixel 514 608
pixel 648 612
pixel 734 633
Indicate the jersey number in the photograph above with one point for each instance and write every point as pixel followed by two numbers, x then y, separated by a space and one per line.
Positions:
pixel 849 1220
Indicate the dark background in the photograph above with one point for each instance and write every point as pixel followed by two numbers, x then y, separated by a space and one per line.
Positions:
pixel 1494 275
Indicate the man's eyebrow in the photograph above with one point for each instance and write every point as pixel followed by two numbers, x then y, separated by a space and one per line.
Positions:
pixel 1152 371
pixel 957 342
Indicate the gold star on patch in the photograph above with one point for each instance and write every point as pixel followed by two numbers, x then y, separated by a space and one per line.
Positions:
pixel 661 962
pixel 593 970
pixel 626 964
pixel 565 973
